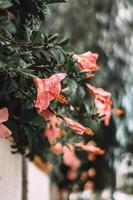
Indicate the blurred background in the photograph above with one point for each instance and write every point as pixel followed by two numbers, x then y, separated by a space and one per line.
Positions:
pixel 106 27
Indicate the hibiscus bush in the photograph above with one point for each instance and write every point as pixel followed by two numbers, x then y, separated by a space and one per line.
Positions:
pixel 49 104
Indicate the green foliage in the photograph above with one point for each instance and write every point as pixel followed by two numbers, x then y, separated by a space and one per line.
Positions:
pixel 5 4
pixel 29 51
pixel 55 1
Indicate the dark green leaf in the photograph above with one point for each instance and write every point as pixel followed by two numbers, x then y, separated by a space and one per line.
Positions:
pixel 55 1
pixel 5 4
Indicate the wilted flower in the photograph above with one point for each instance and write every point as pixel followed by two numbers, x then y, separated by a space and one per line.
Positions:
pixel 70 158
pixel 52 133
pixel 4 131
pixel 92 148
pixel 49 116
pixel 77 127
pixel 47 90
pixel 102 102
pixel 52 130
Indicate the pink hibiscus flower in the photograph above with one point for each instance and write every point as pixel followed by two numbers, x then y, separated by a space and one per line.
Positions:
pixel 102 102
pixel 47 90
pixel 57 148
pixel 49 116
pixel 92 148
pixel 70 158
pixel 87 61
pixel 4 131
pixel 52 133
pixel 77 127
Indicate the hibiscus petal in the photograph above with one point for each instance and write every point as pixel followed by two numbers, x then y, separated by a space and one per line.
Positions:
pixel 4 131
pixel 47 90
pixel 3 115
pixel 75 126
pixel 87 61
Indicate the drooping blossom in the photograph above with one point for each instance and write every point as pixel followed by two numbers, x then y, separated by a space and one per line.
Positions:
pixel 70 158
pixel 102 101
pixel 77 127
pixel 52 130
pixel 52 133
pixel 87 61
pixel 4 131
pixel 49 116
pixel 92 148
pixel 47 90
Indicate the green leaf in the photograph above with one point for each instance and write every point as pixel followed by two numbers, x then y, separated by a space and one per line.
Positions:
pixel 5 4
pixel 37 37
pixel 62 41
pixel 7 25
pixel 55 1
pixel 72 85
pixel 69 49
pixel 26 73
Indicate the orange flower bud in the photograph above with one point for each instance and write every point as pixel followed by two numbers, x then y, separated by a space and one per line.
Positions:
pixel 63 133
pixel 88 131
pixel 89 76
pixel 61 99
pixel 91 172
pixel 118 112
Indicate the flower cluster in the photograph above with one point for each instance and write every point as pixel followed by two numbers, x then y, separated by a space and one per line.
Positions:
pixel 45 103
pixel 48 90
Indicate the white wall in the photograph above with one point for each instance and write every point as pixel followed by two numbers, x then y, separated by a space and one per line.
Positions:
pixel 10 172
pixel 38 184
